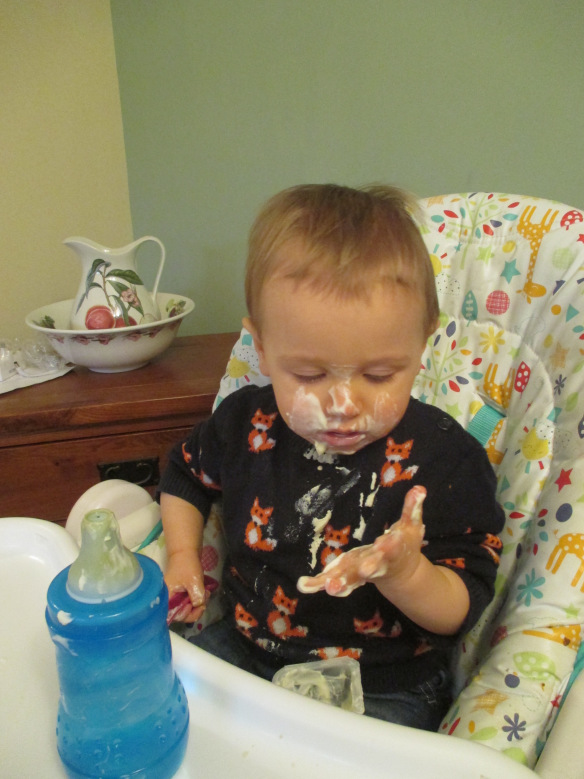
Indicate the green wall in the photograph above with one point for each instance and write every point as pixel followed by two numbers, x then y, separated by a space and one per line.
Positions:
pixel 224 102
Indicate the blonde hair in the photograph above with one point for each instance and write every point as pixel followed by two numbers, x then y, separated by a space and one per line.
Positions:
pixel 350 239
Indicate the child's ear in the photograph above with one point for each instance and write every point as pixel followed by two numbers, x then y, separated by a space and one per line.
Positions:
pixel 257 342
pixel 432 329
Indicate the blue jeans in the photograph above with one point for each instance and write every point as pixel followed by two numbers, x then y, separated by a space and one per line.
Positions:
pixel 422 707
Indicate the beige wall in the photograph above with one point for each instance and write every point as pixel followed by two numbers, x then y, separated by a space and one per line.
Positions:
pixel 62 159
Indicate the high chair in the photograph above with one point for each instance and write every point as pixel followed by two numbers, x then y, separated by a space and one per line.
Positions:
pixel 506 362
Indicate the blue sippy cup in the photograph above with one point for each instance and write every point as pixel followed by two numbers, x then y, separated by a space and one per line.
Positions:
pixel 122 711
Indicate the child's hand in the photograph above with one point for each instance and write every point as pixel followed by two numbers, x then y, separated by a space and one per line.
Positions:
pixel 391 558
pixel 184 573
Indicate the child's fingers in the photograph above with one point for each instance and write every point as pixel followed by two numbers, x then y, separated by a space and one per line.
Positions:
pixel 412 510
pixel 339 578
pixel 310 584
pixel 332 579
pixel 189 606
pixel 179 607
pixel 196 591
pixel 196 614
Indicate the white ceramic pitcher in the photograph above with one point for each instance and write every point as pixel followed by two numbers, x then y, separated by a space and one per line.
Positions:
pixel 111 293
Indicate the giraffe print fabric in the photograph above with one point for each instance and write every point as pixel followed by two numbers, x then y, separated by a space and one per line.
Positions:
pixel 507 363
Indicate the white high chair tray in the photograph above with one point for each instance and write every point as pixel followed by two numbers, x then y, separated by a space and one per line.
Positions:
pixel 240 726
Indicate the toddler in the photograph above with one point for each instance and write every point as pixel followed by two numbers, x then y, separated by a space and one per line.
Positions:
pixel 358 520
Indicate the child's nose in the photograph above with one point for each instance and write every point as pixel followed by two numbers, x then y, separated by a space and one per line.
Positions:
pixel 342 401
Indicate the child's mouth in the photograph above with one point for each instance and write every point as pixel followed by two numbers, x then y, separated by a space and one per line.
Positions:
pixel 341 441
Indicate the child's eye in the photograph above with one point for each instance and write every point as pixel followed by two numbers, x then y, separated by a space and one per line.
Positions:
pixel 308 378
pixel 378 378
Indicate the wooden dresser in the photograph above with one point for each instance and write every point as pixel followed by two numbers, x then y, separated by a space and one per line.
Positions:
pixel 60 437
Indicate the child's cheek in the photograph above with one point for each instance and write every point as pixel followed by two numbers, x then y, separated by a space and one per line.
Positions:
pixel 386 414
pixel 306 416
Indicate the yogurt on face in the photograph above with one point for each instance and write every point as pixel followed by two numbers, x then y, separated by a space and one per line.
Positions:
pixel 342 430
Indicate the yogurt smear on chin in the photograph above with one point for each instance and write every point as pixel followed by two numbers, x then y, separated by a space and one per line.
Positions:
pixel 320 447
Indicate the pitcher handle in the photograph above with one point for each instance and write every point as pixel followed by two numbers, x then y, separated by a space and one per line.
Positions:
pixel 138 243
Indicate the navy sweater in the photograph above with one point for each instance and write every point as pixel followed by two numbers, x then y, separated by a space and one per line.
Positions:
pixel 288 511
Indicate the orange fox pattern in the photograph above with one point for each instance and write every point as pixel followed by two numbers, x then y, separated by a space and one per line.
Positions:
pixel 493 545
pixel 187 456
pixel 200 475
pixel 331 652
pixel 393 471
pixel 254 532
pixel 279 621
pixel 244 620
pixel 334 541
pixel 423 647
pixel 258 438
pixel 453 562
pixel 374 627
pixel 206 480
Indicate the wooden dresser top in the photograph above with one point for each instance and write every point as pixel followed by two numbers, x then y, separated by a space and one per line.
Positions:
pixel 169 391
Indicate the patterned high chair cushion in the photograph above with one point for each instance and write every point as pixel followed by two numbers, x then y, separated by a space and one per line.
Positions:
pixel 507 363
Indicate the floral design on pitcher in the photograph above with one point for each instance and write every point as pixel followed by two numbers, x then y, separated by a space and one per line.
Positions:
pixel 119 289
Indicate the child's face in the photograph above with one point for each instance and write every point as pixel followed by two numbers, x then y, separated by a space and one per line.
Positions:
pixel 342 370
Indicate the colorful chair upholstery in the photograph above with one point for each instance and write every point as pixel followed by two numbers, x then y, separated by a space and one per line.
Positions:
pixel 507 363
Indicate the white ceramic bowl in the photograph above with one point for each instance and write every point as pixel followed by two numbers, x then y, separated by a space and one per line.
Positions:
pixel 115 349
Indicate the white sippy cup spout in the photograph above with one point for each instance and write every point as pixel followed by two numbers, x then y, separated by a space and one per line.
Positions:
pixel 105 570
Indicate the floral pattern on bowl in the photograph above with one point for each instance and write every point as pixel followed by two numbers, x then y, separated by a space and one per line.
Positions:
pixel 115 349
